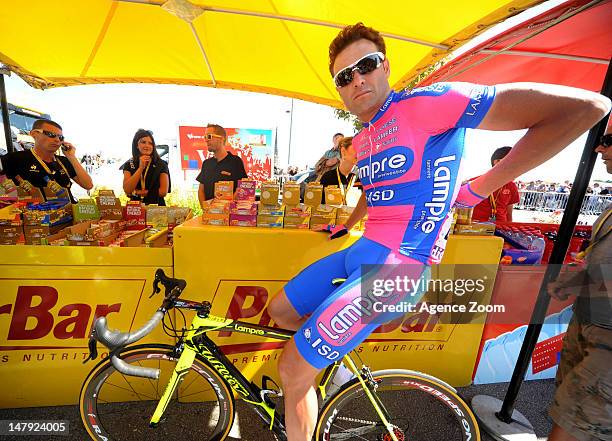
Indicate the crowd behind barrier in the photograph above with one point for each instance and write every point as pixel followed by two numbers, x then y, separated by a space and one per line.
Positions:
pixel 593 204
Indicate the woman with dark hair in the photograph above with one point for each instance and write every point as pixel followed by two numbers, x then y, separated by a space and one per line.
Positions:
pixel 145 176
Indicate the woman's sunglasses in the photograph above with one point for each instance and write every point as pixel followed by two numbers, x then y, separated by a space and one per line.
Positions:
pixel 364 65
pixel 49 134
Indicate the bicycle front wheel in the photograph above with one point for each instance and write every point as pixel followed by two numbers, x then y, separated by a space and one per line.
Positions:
pixel 420 407
pixel 118 407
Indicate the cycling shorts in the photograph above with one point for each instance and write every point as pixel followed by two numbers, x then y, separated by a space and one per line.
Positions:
pixel 343 317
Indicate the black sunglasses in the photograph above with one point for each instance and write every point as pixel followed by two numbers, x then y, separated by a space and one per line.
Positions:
pixel 606 140
pixel 364 65
pixel 49 134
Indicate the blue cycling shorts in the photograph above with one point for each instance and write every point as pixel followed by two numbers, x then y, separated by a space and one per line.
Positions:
pixel 343 317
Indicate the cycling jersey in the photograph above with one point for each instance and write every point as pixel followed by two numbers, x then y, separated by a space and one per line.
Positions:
pixel 408 159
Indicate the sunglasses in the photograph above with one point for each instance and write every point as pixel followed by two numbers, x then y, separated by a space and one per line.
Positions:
pixel 606 140
pixel 364 65
pixel 210 136
pixel 49 134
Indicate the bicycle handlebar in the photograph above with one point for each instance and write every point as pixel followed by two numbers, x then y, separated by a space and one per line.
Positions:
pixel 117 340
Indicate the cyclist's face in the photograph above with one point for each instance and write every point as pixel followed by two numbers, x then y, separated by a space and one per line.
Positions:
pixel 366 93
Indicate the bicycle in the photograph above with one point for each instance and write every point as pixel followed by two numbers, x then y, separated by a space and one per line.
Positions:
pixel 122 398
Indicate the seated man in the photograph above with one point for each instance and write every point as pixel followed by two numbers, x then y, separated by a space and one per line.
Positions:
pixel 408 154
pixel 41 167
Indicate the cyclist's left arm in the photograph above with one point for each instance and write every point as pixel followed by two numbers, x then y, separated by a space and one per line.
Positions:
pixel 554 116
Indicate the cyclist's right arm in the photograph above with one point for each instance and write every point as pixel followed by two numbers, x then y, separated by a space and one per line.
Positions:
pixel 358 213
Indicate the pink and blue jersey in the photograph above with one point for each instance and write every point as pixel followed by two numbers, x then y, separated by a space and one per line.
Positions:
pixel 408 158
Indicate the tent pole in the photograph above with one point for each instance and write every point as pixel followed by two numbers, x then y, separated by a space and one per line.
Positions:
pixel 5 112
pixel 508 423
pixel 566 230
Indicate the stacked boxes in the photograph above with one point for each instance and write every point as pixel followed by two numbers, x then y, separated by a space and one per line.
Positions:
pixel 297 216
pixel 291 193
pixel 243 211
pixel 224 190
pixel 157 217
pixel 271 216
pixel 11 227
pixel 109 205
pixel 135 215
pixel 333 195
pixel 44 219
pixel 322 215
pixel 313 195
pixel 216 212
pixel 246 190
pixel 269 193
pixel 243 214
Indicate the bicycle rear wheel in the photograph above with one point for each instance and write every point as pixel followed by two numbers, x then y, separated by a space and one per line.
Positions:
pixel 420 408
pixel 118 407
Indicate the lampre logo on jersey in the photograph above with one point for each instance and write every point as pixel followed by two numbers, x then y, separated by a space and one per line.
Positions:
pixel 387 165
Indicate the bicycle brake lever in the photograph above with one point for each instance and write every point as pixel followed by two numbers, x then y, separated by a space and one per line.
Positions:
pixel 93 349
pixel 156 288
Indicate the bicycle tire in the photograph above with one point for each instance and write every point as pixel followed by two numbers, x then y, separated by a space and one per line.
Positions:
pixel 117 407
pixel 421 408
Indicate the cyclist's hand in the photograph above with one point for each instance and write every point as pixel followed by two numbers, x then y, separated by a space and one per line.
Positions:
pixel 335 231
pixel 466 198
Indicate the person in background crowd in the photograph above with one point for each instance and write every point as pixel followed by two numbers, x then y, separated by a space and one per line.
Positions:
pixel 582 406
pixel 41 167
pixel 330 158
pixel 223 166
pixel 596 188
pixel 145 176
pixel 498 206
pixel 342 176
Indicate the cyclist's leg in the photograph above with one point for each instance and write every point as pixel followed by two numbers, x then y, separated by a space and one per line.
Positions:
pixel 301 405
pixel 306 291
pixel 307 354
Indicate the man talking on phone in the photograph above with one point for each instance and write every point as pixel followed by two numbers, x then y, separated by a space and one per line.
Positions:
pixel 41 167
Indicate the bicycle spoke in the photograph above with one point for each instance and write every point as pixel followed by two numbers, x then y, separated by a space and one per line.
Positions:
pixel 149 398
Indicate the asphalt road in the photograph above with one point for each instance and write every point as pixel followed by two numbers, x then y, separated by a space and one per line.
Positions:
pixel 533 401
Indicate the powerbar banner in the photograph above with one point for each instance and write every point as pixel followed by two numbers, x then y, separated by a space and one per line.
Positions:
pixel 254 146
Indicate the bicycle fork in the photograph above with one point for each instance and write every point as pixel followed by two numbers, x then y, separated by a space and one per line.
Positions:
pixel 378 405
pixel 182 367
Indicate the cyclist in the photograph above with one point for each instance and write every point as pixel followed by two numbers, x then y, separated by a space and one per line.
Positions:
pixel 408 155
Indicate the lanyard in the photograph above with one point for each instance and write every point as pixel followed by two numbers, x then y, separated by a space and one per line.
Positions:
pixel 493 203
pixel 143 177
pixel 595 240
pixel 344 191
pixel 47 169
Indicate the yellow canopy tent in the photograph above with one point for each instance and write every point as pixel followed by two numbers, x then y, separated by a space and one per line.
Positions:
pixel 271 46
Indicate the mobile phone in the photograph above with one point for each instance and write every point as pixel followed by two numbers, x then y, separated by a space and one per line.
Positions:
pixel 65 148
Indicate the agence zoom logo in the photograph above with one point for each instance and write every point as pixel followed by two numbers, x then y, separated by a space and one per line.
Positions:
pixel 387 165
